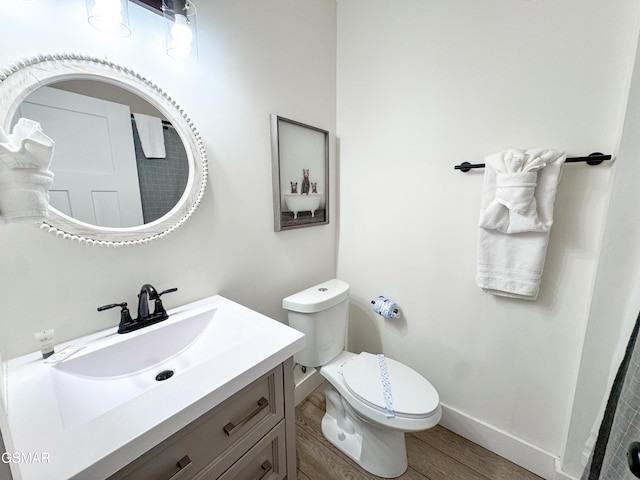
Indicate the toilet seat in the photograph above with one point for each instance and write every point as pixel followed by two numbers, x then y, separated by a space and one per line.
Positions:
pixel 413 395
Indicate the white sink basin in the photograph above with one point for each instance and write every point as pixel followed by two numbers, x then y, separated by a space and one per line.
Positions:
pixel 118 368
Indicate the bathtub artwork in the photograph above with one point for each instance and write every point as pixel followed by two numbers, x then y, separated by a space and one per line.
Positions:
pixel 304 201
pixel 300 157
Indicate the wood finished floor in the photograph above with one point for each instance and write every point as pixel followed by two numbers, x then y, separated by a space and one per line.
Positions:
pixel 435 454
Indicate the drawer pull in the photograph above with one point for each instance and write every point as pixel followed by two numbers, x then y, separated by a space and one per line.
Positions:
pixel 230 427
pixel 183 464
pixel 267 468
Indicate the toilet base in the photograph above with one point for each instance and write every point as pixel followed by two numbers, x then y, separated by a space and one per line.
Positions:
pixel 380 451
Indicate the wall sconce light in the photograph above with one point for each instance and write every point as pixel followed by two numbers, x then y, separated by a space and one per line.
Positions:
pixel 111 16
pixel 181 31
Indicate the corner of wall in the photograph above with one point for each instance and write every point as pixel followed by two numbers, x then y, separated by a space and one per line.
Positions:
pixel 614 292
pixel 5 471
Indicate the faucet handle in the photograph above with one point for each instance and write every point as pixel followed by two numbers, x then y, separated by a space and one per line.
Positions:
pixel 125 316
pixel 158 308
pixel 112 305
pixel 174 289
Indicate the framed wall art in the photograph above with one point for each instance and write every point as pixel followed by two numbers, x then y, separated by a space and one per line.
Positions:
pixel 300 158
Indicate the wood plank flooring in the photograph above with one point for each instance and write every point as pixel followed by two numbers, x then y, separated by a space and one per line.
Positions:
pixel 435 454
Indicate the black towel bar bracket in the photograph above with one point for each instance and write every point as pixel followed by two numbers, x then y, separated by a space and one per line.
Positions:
pixel 593 159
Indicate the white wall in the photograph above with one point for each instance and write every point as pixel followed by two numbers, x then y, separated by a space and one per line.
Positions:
pixel 425 85
pixel 257 57
pixel 616 299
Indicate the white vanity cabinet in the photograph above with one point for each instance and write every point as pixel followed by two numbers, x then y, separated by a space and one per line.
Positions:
pixel 250 435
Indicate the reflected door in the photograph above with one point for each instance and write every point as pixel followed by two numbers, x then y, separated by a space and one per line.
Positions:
pixel 96 177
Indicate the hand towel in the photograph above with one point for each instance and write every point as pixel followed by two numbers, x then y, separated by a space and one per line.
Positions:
pixel 516 217
pixel 25 155
pixel 151 135
pixel 24 194
pixel 509 192
pixel 26 147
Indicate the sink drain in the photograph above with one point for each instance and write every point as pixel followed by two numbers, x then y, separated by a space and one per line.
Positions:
pixel 164 375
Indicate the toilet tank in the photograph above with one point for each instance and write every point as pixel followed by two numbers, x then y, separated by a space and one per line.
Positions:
pixel 321 313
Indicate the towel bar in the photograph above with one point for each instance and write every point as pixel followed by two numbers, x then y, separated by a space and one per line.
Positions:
pixel 593 159
pixel 165 124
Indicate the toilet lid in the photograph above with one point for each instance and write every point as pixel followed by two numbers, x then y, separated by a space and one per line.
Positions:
pixel 412 394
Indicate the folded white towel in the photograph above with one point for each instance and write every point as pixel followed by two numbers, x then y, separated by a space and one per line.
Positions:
pixel 25 156
pixel 516 216
pixel 24 194
pixel 26 147
pixel 151 135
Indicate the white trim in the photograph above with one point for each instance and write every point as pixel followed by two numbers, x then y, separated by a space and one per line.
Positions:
pixel 305 383
pixel 560 475
pixel 514 449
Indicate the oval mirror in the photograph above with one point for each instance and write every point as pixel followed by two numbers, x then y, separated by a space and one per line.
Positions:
pixel 129 165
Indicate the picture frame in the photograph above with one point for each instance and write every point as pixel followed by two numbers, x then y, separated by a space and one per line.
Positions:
pixel 300 161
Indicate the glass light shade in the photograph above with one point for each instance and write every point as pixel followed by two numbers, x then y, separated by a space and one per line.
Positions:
pixel 110 16
pixel 181 31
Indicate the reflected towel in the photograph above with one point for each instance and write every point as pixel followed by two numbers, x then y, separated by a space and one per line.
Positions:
pixel 151 135
pixel 516 216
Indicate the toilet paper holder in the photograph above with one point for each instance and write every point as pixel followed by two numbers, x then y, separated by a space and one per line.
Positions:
pixel 385 307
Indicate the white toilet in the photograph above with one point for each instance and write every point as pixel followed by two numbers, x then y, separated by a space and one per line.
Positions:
pixel 371 400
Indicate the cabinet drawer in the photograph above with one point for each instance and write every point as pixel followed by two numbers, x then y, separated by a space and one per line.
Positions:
pixel 226 431
pixel 266 460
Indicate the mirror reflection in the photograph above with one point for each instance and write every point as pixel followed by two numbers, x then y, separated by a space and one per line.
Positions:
pixel 118 162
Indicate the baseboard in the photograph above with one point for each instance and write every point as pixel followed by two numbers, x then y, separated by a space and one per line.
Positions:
pixel 560 475
pixel 305 383
pixel 516 450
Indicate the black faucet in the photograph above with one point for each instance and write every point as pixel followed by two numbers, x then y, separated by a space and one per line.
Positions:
pixel 145 318
pixel 147 292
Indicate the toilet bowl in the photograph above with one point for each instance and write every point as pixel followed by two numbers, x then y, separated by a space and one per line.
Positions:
pixel 356 421
pixel 371 400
